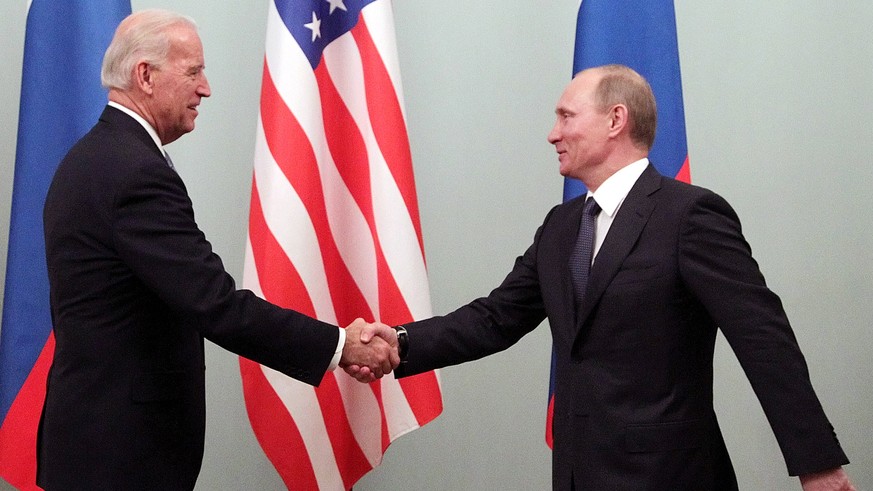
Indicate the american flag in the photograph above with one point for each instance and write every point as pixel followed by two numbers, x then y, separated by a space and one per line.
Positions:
pixel 334 233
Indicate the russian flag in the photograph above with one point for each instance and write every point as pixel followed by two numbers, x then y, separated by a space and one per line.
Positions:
pixel 61 98
pixel 642 35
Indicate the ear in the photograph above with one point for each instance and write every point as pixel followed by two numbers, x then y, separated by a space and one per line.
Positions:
pixel 618 120
pixel 143 77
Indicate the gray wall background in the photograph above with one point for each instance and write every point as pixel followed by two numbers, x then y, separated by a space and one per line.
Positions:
pixel 779 117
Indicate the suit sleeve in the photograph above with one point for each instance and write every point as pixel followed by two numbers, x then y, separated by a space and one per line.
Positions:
pixel 156 235
pixel 485 326
pixel 716 263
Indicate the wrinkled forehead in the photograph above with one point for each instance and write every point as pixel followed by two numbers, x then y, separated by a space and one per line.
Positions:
pixel 185 44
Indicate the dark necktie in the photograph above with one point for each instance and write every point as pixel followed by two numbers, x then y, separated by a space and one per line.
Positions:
pixel 169 160
pixel 580 259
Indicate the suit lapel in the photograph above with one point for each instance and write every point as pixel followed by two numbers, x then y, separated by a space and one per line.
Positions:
pixel 620 240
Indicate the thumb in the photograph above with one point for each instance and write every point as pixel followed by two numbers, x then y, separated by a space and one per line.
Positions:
pixel 367 333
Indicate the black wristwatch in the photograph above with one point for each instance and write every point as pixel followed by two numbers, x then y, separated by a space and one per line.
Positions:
pixel 402 343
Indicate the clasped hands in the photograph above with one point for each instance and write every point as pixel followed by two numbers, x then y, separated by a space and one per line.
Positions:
pixel 370 350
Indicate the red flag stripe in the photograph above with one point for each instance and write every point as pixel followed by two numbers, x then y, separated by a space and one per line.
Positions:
pixel 388 122
pixel 392 300
pixel 350 154
pixel 299 399
pixel 279 282
pixel 275 429
pixel 348 453
pixel 287 445
pixel 337 425
pixel 293 153
pixel 338 122
pixel 402 252
pixel 299 92
pixel 684 173
pixel 280 205
pixel 21 423
pixel 337 428
pixel 328 198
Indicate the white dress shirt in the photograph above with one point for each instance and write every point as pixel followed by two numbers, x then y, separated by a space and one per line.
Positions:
pixel 610 195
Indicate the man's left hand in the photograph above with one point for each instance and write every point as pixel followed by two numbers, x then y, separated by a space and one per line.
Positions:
pixel 830 480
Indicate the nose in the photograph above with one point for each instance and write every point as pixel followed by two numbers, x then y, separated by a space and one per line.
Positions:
pixel 555 135
pixel 203 90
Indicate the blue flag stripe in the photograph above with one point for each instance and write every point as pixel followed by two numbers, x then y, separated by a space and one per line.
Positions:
pixel 642 35
pixel 61 98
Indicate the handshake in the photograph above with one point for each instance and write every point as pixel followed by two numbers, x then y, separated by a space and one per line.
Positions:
pixel 371 350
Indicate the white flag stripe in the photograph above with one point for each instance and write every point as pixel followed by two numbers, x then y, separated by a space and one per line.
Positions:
pixel 398 413
pixel 296 84
pixel 344 65
pixel 351 234
pixel 292 74
pixel 380 22
pixel 400 245
pixel 362 408
pixel 282 206
pixel 402 252
pixel 348 224
pixel 300 398
pixel 250 270
pixel 407 266
pixel 294 217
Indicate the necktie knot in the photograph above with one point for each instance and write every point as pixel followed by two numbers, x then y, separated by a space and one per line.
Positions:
pixel 591 207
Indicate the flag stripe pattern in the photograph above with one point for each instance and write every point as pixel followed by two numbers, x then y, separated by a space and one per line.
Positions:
pixel 61 98
pixel 334 233
pixel 642 35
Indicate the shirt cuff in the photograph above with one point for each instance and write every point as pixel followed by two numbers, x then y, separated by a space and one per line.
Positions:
pixel 334 362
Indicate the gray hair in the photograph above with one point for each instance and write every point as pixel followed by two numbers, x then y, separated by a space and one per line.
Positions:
pixel 142 36
pixel 622 85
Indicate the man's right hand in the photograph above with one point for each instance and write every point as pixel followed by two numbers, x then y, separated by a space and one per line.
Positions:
pixel 370 350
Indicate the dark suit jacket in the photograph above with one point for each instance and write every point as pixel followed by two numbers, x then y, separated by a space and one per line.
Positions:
pixel 135 288
pixel 633 388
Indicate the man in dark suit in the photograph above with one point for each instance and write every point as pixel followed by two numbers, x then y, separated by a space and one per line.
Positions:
pixel 135 286
pixel 634 335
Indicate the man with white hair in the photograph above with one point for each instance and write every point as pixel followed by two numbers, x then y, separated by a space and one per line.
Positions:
pixel 135 286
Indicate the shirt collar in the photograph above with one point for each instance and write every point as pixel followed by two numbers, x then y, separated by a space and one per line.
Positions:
pixel 615 189
pixel 151 131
